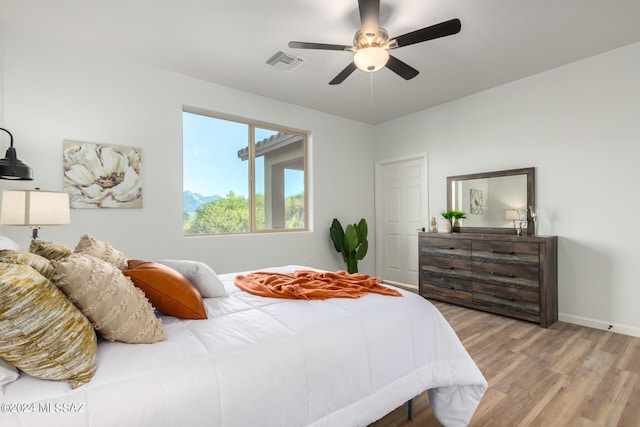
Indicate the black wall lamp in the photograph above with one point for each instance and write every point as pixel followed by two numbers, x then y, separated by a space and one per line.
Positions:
pixel 11 167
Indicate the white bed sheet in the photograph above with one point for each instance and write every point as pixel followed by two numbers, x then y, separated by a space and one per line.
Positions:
pixel 268 362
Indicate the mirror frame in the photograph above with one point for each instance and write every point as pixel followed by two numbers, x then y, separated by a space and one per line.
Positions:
pixel 531 198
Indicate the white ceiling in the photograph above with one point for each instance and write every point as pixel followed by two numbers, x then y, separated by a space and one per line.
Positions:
pixel 228 42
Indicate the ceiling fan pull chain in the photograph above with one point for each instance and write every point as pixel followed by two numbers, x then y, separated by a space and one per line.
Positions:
pixel 371 87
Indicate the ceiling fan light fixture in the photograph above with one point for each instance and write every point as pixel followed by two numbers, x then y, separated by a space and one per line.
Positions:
pixel 371 59
pixel 371 43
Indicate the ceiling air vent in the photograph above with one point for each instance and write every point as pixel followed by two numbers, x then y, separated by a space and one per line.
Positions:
pixel 284 61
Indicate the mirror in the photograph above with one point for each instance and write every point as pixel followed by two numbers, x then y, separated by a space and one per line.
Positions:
pixel 495 202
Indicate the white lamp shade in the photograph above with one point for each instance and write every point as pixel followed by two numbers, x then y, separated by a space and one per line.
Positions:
pixel 371 59
pixel 34 207
pixel 511 214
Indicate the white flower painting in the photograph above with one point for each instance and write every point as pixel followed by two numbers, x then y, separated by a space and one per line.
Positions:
pixel 476 201
pixel 102 175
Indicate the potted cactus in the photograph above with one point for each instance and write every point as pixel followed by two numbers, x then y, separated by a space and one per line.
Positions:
pixel 350 242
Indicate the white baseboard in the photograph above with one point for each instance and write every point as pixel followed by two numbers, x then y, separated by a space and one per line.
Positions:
pixel 599 324
pixel 576 320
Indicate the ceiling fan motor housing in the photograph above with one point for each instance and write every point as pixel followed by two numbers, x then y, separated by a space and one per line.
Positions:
pixel 363 40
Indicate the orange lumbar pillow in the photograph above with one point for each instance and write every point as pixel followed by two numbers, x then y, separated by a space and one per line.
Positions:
pixel 168 291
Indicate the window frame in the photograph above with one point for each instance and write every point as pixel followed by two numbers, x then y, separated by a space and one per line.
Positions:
pixel 252 125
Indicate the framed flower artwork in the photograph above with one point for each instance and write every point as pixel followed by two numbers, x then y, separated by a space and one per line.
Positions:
pixel 476 201
pixel 102 175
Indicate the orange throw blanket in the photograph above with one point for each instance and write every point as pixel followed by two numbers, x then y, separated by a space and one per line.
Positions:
pixel 311 285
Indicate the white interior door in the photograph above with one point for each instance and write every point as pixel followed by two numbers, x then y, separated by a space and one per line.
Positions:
pixel 401 210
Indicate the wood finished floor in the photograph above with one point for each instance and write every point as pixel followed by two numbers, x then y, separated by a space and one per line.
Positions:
pixel 566 375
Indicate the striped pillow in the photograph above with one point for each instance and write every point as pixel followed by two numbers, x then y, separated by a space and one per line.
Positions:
pixel 43 333
pixel 49 250
pixel 37 262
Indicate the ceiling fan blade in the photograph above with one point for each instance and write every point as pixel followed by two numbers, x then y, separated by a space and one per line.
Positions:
pixel 369 15
pixel 436 31
pixel 322 46
pixel 343 74
pixel 402 69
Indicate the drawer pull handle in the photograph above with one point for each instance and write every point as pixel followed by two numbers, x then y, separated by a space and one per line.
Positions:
pixel 494 251
pixel 444 267
pixel 509 275
pixel 501 297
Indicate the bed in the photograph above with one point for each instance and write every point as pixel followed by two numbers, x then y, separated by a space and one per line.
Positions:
pixel 259 361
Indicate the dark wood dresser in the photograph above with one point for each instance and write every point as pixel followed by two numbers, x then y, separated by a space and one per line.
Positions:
pixel 515 276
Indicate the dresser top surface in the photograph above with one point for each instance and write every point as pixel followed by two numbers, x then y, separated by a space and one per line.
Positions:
pixel 487 236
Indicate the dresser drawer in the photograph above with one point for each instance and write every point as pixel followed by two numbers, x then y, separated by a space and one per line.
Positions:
pixel 506 252
pixel 453 296
pixel 520 276
pixel 443 247
pixel 514 299
pixel 447 273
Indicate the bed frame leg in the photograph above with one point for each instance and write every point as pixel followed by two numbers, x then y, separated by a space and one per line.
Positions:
pixel 410 409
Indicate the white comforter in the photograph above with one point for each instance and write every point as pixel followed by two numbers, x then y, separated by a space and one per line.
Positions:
pixel 268 362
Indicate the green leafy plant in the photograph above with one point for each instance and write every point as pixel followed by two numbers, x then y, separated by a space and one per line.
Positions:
pixel 350 242
pixel 453 214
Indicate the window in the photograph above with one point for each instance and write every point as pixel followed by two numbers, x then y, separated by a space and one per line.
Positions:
pixel 241 177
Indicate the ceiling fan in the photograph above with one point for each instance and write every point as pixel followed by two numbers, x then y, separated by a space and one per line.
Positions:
pixel 371 43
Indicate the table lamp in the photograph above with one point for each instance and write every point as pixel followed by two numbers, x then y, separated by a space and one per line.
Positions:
pixel 34 208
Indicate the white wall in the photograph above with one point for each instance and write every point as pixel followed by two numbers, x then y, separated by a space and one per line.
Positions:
pixel 2 147
pixel 578 125
pixel 54 92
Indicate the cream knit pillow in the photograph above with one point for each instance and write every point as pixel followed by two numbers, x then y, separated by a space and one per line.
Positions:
pixel 118 310
pixel 91 246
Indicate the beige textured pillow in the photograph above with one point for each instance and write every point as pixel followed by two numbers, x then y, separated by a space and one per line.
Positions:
pixel 42 332
pixel 49 250
pixel 118 310
pixel 91 246
pixel 37 262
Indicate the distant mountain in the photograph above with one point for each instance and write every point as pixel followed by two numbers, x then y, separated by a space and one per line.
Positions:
pixel 192 201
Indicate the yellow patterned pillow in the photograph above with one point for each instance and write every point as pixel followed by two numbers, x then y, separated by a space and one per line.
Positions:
pixel 90 246
pixel 37 262
pixel 118 310
pixel 49 250
pixel 43 333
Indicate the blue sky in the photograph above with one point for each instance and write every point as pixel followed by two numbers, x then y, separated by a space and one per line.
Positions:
pixel 211 164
